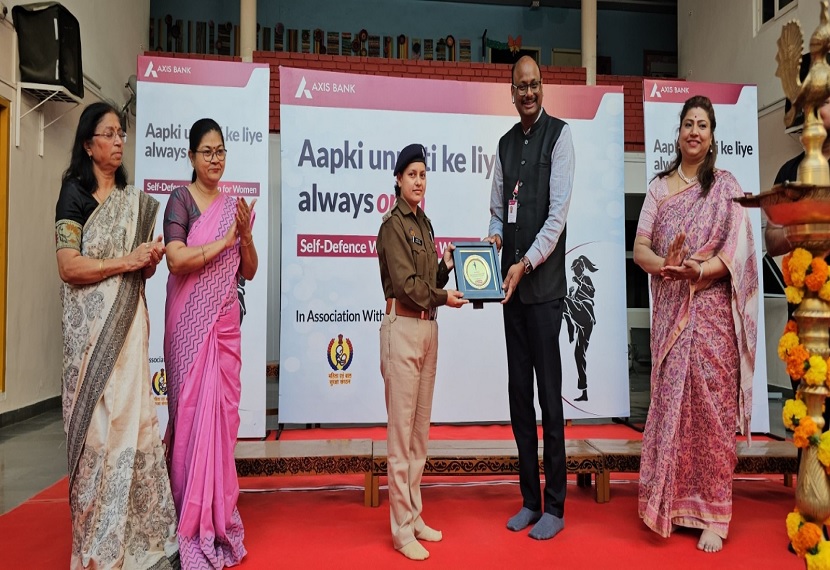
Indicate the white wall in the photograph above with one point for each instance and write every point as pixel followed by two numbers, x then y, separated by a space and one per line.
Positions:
pixel 717 41
pixel 113 33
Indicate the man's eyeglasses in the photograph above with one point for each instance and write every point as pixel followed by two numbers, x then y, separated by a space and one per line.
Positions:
pixel 524 87
pixel 208 155
pixel 110 134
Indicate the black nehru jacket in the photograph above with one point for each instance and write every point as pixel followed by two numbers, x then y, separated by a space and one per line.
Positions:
pixel 527 159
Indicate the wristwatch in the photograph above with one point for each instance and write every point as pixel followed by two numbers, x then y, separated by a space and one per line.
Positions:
pixel 528 265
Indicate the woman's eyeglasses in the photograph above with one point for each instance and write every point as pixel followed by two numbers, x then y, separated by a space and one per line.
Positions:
pixel 208 155
pixel 110 134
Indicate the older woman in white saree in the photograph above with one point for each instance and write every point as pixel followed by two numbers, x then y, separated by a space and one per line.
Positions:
pixel 119 492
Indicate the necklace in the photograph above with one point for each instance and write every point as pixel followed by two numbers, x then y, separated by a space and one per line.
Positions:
pixel 101 195
pixel 685 178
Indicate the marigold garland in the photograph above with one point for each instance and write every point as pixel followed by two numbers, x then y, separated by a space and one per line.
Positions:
pixel 794 294
pixel 802 272
pixel 821 559
pixel 816 373
pixel 789 340
pixel 806 433
pixel 807 539
pixel 817 275
pixel 794 411
pixel 791 327
pixel 824 450
pixel 797 361
pixel 794 522
pixel 799 263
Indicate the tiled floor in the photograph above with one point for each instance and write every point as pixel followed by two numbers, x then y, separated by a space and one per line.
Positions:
pixel 32 457
pixel 33 453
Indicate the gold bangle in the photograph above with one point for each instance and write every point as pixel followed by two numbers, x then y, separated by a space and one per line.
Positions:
pixel 204 259
pixel 250 241
pixel 101 268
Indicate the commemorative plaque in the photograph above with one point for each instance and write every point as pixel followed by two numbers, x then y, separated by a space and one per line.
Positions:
pixel 477 272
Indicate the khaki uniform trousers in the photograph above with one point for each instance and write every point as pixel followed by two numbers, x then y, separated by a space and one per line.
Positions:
pixel 408 360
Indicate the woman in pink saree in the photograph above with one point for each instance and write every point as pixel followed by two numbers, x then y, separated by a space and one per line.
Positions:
pixel 209 245
pixel 696 243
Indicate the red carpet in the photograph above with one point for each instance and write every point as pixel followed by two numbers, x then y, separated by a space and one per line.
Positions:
pixel 316 528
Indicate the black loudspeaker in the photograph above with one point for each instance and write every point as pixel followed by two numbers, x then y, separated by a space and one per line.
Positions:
pixel 49 46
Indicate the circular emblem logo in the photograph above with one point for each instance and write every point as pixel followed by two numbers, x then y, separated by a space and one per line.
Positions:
pixel 340 353
pixel 477 272
pixel 160 383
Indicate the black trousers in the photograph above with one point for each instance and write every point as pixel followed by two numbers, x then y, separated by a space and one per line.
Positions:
pixel 532 338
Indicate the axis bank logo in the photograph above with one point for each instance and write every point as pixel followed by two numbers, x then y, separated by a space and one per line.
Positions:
pixel 302 91
pixel 154 70
pixel 655 92
pixel 323 87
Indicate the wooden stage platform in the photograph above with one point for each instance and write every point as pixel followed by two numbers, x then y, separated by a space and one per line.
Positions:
pixel 584 458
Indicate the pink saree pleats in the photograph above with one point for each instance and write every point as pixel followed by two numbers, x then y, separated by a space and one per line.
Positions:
pixel 202 351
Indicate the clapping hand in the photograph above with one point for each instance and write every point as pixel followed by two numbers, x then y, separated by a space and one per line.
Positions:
pixel 149 253
pixel 157 250
pixel 243 219
pixel 677 251
pixel 674 266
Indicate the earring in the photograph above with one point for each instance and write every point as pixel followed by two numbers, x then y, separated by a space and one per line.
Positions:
pixel 513 99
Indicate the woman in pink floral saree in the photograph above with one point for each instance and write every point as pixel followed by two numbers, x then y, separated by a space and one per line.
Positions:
pixel 209 243
pixel 697 245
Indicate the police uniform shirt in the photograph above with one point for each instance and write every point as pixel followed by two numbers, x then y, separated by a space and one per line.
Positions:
pixel 409 268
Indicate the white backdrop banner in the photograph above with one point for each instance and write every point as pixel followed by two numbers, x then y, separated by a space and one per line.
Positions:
pixel 172 94
pixel 736 111
pixel 340 135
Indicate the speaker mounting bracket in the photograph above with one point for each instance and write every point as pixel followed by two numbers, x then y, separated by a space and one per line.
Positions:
pixel 44 94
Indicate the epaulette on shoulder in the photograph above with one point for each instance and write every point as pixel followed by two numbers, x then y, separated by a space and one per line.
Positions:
pixel 386 216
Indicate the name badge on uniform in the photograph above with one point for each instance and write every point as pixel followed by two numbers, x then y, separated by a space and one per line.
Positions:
pixel 417 241
pixel 512 207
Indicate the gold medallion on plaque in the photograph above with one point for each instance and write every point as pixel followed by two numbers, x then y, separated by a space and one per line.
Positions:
pixel 477 272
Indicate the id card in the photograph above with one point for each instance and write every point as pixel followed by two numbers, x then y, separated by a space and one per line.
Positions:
pixel 512 207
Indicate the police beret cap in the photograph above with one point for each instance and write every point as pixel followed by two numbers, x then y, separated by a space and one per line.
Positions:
pixel 410 153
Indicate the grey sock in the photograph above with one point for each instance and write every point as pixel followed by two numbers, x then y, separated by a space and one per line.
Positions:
pixel 547 527
pixel 523 519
